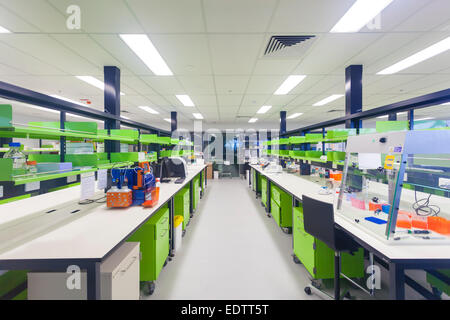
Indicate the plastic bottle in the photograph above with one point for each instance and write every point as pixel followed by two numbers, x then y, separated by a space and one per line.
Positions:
pixel 31 165
pixel 158 185
pixel 19 159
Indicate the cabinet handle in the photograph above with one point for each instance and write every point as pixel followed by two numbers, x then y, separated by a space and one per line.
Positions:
pixel 131 263
pixel 162 235
pixel 165 220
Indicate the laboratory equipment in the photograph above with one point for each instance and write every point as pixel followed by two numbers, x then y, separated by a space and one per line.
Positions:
pixel 19 159
pixel 398 177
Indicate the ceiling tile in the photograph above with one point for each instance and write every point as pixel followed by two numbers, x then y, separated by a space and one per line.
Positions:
pixel 237 15
pixel 197 84
pixel 168 16
pixel 231 84
pixel 164 84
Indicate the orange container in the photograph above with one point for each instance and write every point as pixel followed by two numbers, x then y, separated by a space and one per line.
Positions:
pixel 119 199
pixel 439 225
pixel 375 206
pixel 404 220
pixel 419 222
pixel 154 198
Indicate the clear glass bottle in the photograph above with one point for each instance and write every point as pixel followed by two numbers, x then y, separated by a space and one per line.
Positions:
pixel 19 159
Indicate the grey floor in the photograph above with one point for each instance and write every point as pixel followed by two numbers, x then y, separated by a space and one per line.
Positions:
pixel 232 250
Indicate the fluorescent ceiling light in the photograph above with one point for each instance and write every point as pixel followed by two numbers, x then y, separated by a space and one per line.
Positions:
pixel 264 109
pixel 445 104
pixel 427 118
pixel 290 83
pixel 146 51
pixel 4 30
pixel 387 116
pixel 83 118
pixel 360 14
pixel 125 117
pixel 418 57
pixel 68 100
pixel 328 100
pixel 167 119
pixel 94 82
pixel 252 120
pixel 185 100
pixel 198 116
pixel 295 115
pixel 148 109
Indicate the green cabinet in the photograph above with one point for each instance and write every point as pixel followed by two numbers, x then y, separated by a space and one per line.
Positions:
pixel 281 207
pixel 318 258
pixel 264 191
pixel 154 244
pixel 196 191
pixel 181 205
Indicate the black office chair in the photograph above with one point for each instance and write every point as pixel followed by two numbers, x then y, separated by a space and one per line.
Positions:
pixel 318 219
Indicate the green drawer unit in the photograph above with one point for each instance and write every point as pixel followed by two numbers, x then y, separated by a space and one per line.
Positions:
pixel 438 284
pixel 154 244
pixel 317 257
pixel 181 205
pixel 196 190
pixel 264 191
pixel 284 203
pixel 275 211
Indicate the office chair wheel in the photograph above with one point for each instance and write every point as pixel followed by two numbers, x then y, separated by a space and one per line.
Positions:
pixel 308 291
pixel 148 288
pixel 286 230
pixel 296 260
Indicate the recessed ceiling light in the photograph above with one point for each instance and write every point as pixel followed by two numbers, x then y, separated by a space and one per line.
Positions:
pixel 68 100
pixel 264 109
pixel 83 118
pixel 146 51
pixel 295 115
pixel 185 100
pixel 360 14
pixel 125 117
pixel 423 119
pixel 4 30
pixel 167 119
pixel 198 116
pixel 290 83
pixel 252 120
pixel 328 100
pixel 94 82
pixel 418 57
pixel 148 109
pixel 445 104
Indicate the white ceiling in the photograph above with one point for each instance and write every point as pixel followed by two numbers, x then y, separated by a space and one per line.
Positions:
pixel 215 50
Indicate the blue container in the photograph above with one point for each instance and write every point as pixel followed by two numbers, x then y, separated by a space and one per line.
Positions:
pixel 386 208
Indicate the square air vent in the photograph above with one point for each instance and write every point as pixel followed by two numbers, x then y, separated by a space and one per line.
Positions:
pixel 293 46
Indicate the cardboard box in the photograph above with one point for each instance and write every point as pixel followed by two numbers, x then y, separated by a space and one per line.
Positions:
pixel 209 171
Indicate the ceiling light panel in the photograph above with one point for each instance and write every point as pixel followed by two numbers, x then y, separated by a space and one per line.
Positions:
pixel 264 109
pixel 418 57
pixel 360 14
pixel 94 82
pixel 198 116
pixel 325 101
pixel 146 51
pixel 252 120
pixel 68 100
pixel 290 83
pixel 295 115
pixel 148 109
pixel 185 100
pixel 4 30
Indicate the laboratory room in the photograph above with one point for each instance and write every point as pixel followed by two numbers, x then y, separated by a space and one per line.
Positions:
pixel 214 151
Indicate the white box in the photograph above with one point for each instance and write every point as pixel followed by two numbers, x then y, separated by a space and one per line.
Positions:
pixel 119 279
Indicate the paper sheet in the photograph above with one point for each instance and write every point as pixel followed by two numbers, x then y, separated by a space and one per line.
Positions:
pixel 87 185
pixel 102 179
pixel 369 160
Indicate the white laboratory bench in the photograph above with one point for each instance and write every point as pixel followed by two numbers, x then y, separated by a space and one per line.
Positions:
pixel 84 238
pixel 397 257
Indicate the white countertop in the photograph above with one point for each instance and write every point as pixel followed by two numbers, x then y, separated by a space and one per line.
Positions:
pixel 93 235
pixel 299 186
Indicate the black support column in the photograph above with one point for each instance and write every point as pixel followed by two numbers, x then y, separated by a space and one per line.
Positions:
pixel 173 122
pixel 112 104
pixel 282 131
pixel 353 94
